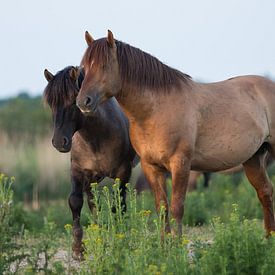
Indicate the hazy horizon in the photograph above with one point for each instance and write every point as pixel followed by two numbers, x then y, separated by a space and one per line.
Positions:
pixel 209 40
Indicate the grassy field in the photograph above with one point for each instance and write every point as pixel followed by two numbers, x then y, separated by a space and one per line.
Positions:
pixel 223 234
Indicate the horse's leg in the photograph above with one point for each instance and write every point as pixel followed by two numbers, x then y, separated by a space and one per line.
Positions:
pixel 141 183
pixel 76 203
pixel 157 180
pixel 180 169
pixel 124 174
pixel 193 180
pixel 255 170
pixel 90 197
pixel 206 176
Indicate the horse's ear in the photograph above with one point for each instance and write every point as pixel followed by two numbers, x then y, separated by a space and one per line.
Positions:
pixel 73 73
pixel 88 38
pixel 110 39
pixel 49 76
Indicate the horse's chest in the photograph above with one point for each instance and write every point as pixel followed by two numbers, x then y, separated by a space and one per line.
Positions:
pixel 152 143
pixel 100 163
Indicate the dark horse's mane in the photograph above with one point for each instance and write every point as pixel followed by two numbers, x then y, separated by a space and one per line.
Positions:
pixel 62 90
pixel 136 67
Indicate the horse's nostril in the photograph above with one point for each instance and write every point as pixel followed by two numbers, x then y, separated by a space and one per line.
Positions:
pixel 87 101
pixel 65 141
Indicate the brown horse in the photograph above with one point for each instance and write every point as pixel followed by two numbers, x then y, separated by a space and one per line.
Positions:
pixel 177 124
pixel 99 143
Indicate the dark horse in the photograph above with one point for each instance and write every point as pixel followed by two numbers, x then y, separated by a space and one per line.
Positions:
pixel 99 143
pixel 177 124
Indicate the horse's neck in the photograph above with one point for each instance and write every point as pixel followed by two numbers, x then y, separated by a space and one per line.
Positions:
pixel 140 105
pixel 137 105
pixel 92 126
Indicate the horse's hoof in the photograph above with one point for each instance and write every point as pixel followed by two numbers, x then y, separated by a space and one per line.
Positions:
pixel 78 256
pixel 270 233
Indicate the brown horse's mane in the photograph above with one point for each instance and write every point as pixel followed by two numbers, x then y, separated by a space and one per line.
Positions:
pixel 62 90
pixel 136 67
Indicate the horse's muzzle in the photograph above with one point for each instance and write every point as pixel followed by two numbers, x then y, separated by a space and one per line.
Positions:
pixel 63 144
pixel 89 104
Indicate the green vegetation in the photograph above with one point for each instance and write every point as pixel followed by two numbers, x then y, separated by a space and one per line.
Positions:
pixel 24 119
pixel 35 220
pixel 27 153
pixel 133 243
pixel 7 245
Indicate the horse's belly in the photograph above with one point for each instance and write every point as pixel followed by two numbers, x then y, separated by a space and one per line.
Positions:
pixel 232 140
pixel 221 154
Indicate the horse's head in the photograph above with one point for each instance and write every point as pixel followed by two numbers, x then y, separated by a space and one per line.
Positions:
pixel 60 94
pixel 102 79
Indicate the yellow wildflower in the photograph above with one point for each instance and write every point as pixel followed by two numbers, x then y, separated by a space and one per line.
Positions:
pixel 117 181
pixel 105 188
pixel 185 242
pixel 93 184
pixel 94 227
pixel 163 268
pixel 153 269
pixel 145 213
pixel 115 185
pixel 68 227
pixel 120 236
pixel 98 240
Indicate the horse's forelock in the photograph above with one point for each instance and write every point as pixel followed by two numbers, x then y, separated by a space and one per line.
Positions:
pixel 61 91
pixel 97 53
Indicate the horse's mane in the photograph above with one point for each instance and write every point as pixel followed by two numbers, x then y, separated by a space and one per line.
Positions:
pixel 62 90
pixel 136 67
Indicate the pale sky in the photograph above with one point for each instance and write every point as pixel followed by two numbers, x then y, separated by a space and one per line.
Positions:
pixel 210 40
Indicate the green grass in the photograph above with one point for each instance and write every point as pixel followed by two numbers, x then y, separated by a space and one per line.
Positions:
pixel 132 244
pixel 228 240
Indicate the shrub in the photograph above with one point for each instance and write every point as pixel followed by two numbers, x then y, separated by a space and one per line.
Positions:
pixel 238 248
pixel 8 245
pixel 130 243
pixel 40 249
pixel 202 204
